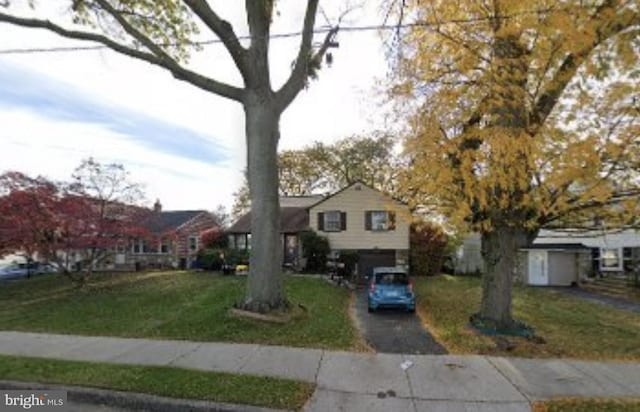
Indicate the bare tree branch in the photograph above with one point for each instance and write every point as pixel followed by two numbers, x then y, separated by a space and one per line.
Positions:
pixel 300 71
pixel 222 29
pixel 179 72
pixel 167 61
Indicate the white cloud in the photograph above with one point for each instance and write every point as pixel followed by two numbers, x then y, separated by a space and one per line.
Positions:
pixel 336 105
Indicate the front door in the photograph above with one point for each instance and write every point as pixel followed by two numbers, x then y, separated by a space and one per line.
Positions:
pixel 290 249
pixel 538 271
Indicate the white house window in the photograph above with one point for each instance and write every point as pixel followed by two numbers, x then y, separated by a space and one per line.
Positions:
pixel 610 259
pixel 248 241
pixel 379 220
pixel 193 243
pixel 332 221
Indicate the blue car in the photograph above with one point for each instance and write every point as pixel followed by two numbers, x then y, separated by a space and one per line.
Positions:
pixel 391 288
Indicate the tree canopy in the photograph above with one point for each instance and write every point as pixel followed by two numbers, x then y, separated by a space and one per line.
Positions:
pixel 521 115
pixel 322 167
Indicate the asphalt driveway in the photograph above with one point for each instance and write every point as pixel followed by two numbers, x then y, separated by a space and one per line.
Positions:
pixel 395 331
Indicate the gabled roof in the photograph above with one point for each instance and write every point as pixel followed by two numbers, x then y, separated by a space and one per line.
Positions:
pixel 357 182
pixel 161 222
pixel 292 220
pixel 300 201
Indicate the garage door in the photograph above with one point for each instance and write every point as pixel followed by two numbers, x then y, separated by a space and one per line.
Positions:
pixel 369 259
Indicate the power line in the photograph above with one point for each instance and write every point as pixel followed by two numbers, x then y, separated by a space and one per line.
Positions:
pixel 322 30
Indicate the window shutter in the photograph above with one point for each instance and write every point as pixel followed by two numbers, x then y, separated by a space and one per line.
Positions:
pixel 367 220
pixel 343 221
pixel 392 220
pixel 321 221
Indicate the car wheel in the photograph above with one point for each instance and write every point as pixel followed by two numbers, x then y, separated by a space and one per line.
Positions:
pixel 411 310
pixel 370 309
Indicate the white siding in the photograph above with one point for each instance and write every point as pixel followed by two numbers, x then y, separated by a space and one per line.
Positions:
pixel 469 256
pixel 595 239
pixel 355 203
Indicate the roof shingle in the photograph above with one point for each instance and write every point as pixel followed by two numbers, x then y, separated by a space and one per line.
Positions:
pixel 292 220
pixel 164 221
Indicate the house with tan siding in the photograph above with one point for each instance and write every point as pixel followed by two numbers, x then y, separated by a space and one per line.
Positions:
pixel 357 219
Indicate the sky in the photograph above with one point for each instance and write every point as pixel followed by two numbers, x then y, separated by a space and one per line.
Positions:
pixel 184 145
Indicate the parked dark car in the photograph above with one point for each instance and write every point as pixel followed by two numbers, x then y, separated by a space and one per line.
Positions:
pixel 390 287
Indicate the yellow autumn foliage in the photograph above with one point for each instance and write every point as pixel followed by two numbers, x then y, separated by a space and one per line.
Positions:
pixel 528 113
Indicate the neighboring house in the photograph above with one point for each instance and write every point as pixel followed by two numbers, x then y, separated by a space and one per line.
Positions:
pixel 468 257
pixel 357 219
pixel 294 219
pixel 553 264
pixel 174 241
pixel 564 257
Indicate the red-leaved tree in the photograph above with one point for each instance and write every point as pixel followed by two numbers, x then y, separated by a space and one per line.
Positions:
pixel 76 225
pixel 428 248
pixel 27 213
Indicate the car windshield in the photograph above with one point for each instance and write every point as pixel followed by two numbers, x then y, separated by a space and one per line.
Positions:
pixel 392 279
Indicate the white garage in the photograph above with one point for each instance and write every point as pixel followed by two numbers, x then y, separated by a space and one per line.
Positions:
pixel 554 264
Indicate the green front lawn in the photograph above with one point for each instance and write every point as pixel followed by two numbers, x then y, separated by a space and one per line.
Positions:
pixel 588 405
pixel 163 381
pixel 173 305
pixel 572 327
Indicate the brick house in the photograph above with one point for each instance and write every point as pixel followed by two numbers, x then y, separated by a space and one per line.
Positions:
pixel 174 241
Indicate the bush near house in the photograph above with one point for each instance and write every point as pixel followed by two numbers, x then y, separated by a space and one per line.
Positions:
pixel 211 259
pixel 315 249
pixel 429 249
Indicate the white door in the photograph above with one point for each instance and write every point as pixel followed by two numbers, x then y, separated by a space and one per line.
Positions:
pixel 538 274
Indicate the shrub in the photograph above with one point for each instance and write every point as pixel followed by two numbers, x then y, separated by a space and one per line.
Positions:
pixel 236 257
pixel 213 239
pixel 211 259
pixel 429 249
pixel 315 249
pixel 349 259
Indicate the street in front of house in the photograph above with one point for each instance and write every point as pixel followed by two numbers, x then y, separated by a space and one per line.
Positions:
pixel 351 381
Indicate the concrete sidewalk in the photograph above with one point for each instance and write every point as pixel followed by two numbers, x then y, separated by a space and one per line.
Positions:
pixel 359 382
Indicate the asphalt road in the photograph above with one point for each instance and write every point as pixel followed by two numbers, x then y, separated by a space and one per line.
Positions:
pixel 88 407
pixel 394 331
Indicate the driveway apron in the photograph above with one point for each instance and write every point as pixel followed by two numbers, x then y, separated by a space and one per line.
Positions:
pixel 394 331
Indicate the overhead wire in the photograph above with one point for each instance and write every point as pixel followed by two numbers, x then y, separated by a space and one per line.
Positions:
pixel 320 30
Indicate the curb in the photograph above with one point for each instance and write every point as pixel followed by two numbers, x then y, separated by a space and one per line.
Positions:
pixel 135 401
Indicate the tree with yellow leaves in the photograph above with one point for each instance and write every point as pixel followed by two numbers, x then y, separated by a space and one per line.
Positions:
pixel 523 115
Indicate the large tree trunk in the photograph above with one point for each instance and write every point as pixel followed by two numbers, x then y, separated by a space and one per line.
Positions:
pixel 500 254
pixel 507 107
pixel 265 285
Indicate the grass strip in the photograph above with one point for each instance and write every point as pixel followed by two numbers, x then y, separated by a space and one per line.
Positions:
pixel 162 381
